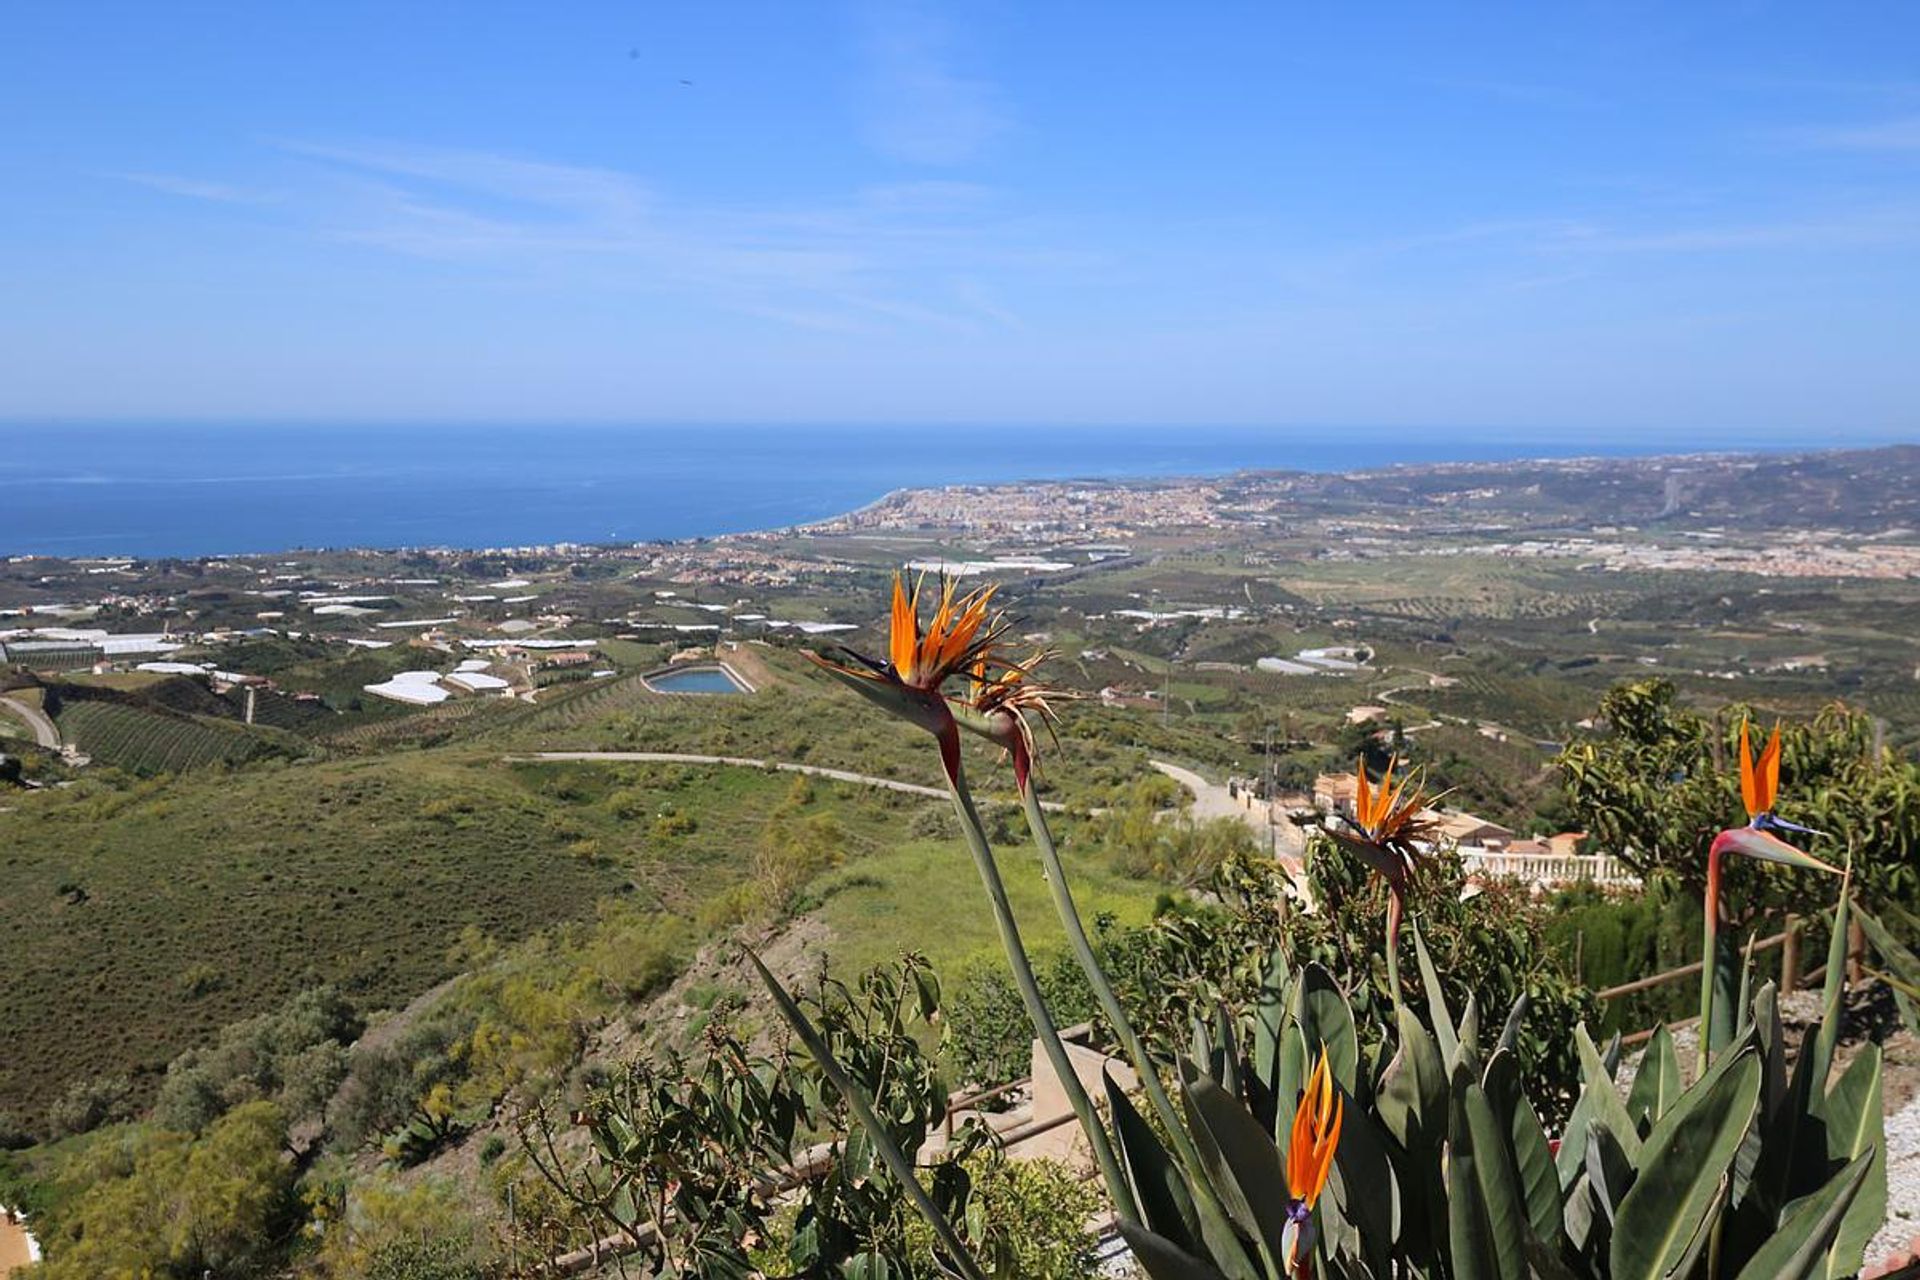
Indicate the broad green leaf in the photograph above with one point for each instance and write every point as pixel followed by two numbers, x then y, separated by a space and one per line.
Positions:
pixel 1364 1194
pixel 1682 1167
pixel 1608 1173
pixel 1703 1236
pixel 1527 1143
pixel 1412 1108
pixel 1802 1248
pixel 1516 1019
pixel 1585 1223
pixel 1413 1092
pixel 1657 1083
pixel 1269 1020
pixel 1470 1035
pixel 1437 1010
pixel 1161 1259
pixel 1158 1185
pixel 1904 964
pixel 1856 1129
pixel 1832 999
pixel 1243 1165
pixel 1321 1010
pixel 1599 1100
pixel 1486 1215
pixel 1228 1071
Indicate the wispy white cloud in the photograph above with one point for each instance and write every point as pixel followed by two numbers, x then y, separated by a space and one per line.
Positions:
pixel 1901 134
pixel 904 253
pixel 916 106
pixel 199 189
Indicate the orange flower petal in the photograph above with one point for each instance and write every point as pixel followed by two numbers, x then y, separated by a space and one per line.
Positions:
pixel 1768 772
pixel 1749 784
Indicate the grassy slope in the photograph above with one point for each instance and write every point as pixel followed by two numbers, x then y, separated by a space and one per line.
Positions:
pixel 926 896
pixel 267 880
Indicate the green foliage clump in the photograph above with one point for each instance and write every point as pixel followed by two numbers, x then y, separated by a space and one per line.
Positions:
pixel 1662 778
pixel 989 1040
pixel 88 1104
pixel 296 1056
pixel 167 1204
pixel 382 1229
pixel 688 1139
pixel 1146 839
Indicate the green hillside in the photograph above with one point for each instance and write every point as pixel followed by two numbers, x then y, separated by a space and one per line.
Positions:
pixel 151 917
pixel 147 740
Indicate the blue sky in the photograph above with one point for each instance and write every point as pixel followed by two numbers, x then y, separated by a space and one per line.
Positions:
pixel 1674 222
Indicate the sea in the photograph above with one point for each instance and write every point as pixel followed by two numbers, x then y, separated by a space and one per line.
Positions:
pixel 209 490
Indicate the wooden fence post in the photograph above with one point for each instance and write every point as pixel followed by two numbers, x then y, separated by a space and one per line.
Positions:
pixel 1790 958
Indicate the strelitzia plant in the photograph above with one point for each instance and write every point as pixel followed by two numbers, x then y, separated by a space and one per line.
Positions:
pixel 962 642
pixel 1388 826
pixel 1279 1162
pixel 1759 788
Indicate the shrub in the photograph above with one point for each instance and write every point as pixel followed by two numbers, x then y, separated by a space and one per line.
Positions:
pixel 389 1231
pixel 934 821
pixel 792 852
pixel 989 1040
pixel 88 1104
pixel 182 1207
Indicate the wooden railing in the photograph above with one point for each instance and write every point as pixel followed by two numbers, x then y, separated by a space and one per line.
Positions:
pixel 1787 941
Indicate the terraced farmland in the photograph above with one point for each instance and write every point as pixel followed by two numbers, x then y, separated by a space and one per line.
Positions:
pixel 142 741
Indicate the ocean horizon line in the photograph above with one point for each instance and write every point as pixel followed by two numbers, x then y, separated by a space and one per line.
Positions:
pixel 147 495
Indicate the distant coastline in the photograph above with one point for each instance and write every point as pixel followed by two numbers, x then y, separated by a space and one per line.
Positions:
pixel 203 492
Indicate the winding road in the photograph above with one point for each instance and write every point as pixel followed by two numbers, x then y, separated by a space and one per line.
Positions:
pixel 44 731
pixel 748 762
pixel 1210 800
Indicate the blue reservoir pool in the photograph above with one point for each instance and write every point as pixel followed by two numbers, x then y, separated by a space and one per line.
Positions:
pixel 697 680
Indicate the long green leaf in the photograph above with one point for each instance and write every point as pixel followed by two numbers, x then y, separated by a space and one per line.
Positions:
pixel 1162 1259
pixel 1856 1129
pixel 1442 1017
pixel 1486 1214
pixel 1682 1166
pixel 1900 959
pixel 1802 1248
pixel 1413 1092
pixel 1608 1173
pixel 1166 1203
pixel 1364 1194
pixel 1325 1018
pixel 1527 1143
pixel 1657 1083
pixel 1242 1163
pixel 1833 992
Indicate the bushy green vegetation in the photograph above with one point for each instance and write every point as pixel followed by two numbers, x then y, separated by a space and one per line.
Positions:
pixel 167 1204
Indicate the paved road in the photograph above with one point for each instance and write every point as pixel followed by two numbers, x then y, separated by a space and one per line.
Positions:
pixel 1211 800
pixel 44 731
pixel 746 762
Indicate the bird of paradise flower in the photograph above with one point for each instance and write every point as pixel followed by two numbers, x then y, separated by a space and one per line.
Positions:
pixel 1759 789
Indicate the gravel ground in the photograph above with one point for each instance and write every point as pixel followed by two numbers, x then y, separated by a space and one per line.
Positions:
pixel 1903 1184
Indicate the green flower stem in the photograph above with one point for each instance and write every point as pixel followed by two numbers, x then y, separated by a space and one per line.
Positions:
pixel 1396 909
pixel 1056 876
pixel 1709 962
pixel 896 1159
pixel 1043 1025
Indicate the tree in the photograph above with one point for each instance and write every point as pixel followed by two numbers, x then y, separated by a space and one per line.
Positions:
pixel 221 1205
pixel 1656 784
